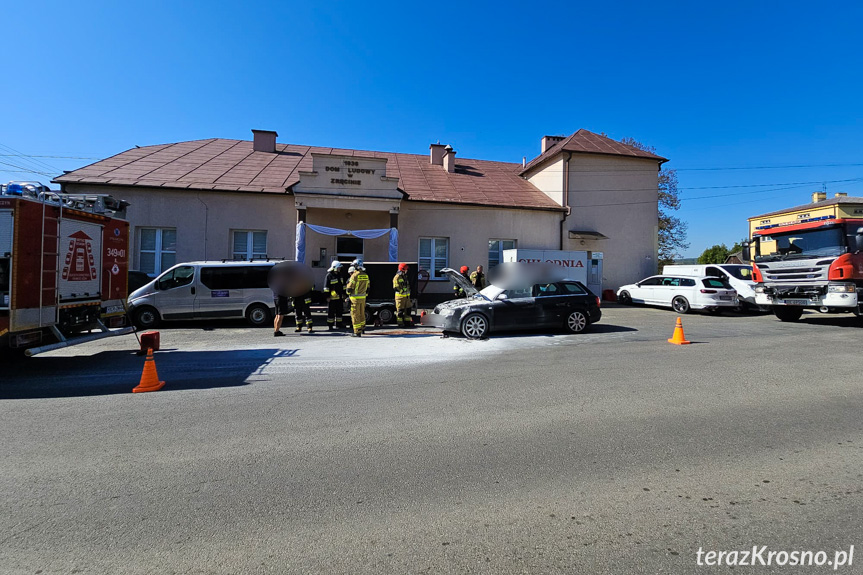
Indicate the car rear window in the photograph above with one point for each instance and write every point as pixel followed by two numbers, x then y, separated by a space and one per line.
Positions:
pixel 715 283
pixel 573 288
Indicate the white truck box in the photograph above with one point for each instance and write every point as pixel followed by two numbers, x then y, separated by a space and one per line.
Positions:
pixel 585 267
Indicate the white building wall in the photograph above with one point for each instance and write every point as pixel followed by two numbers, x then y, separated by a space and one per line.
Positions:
pixel 205 220
pixel 617 197
pixel 469 228
pixel 550 180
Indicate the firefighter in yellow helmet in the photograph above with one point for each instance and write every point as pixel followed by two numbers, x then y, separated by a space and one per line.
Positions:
pixel 402 287
pixel 357 289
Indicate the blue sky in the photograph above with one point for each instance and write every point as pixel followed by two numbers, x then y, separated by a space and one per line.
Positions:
pixel 770 89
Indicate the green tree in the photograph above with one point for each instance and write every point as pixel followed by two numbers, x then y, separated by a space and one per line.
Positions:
pixel 672 230
pixel 714 255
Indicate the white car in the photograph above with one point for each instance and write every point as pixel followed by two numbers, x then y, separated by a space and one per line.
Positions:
pixel 680 293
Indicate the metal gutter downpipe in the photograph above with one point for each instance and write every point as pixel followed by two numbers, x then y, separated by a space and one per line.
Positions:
pixel 565 196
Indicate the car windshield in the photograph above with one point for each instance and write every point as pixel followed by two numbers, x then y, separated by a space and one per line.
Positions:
pixel 801 244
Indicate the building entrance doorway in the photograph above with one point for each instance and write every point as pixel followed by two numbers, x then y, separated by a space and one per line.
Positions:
pixel 349 248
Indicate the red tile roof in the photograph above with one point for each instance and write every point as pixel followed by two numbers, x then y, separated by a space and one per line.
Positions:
pixel 232 165
pixel 586 142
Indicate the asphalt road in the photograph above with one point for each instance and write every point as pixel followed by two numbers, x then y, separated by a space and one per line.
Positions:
pixel 606 452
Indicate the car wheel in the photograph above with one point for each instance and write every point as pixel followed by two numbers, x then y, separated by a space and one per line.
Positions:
pixel 474 326
pixel 146 317
pixel 624 298
pixel 792 313
pixel 576 322
pixel 258 315
pixel 386 315
pixel 680 304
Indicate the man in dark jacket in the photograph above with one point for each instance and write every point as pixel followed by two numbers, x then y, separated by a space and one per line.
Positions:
pixel 334 285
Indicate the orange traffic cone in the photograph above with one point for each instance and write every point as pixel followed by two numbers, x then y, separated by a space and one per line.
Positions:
pixel 149 377
pixel 678 338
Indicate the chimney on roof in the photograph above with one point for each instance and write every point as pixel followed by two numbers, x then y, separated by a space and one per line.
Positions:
pixel 437 154
pixel 264 141
pixel 549 141
pixel 819 197
pixel 840 195
pixel 449 159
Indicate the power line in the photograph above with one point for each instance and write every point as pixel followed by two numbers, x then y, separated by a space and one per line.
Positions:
pixel 54 157
pixel 37 163
pixel 766 167
pixel 26 169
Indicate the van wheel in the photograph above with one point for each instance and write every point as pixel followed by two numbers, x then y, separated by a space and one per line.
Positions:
pixel 624 298
pixel 680 304
pixel 146 317
pixel 576 322
pixel 791 313
pixel 386 315
pixel 259 315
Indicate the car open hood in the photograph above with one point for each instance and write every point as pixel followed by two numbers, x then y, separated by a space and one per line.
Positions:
pixel 460 281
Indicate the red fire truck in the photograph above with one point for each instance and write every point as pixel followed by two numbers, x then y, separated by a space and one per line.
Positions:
pixel 814 263
pixel 63 267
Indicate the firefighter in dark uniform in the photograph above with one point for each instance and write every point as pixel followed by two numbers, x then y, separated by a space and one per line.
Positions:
pixel 459 293
pixel 303 311
pixel 335 286
pixel 402 287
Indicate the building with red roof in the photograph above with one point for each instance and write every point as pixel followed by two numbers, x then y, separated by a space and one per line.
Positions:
pixel 237 199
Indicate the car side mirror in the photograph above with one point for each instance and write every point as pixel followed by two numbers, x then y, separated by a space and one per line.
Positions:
pixel 501 296
pixel 637 284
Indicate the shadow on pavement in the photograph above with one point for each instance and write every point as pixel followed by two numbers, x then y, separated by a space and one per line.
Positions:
pixel 114 372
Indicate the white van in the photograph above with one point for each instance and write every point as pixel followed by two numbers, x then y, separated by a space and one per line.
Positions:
pixel 738 276
pixel 206 290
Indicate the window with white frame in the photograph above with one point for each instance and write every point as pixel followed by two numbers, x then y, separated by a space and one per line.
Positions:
pixel 434 256
pixel 495 251
pixel 249 244
pixel 157 249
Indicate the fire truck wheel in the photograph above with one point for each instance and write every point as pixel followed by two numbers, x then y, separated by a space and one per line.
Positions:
pixel 790 313
pixel 680 304
pixel 474 326
pixel 624 298
pixel 386 315
pixel 146 317
pixel 259 315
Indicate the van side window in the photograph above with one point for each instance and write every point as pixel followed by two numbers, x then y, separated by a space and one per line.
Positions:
pixel 222 278
pixel 714 272
pixel 235 277
pixel 256 277
pixel 177 277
